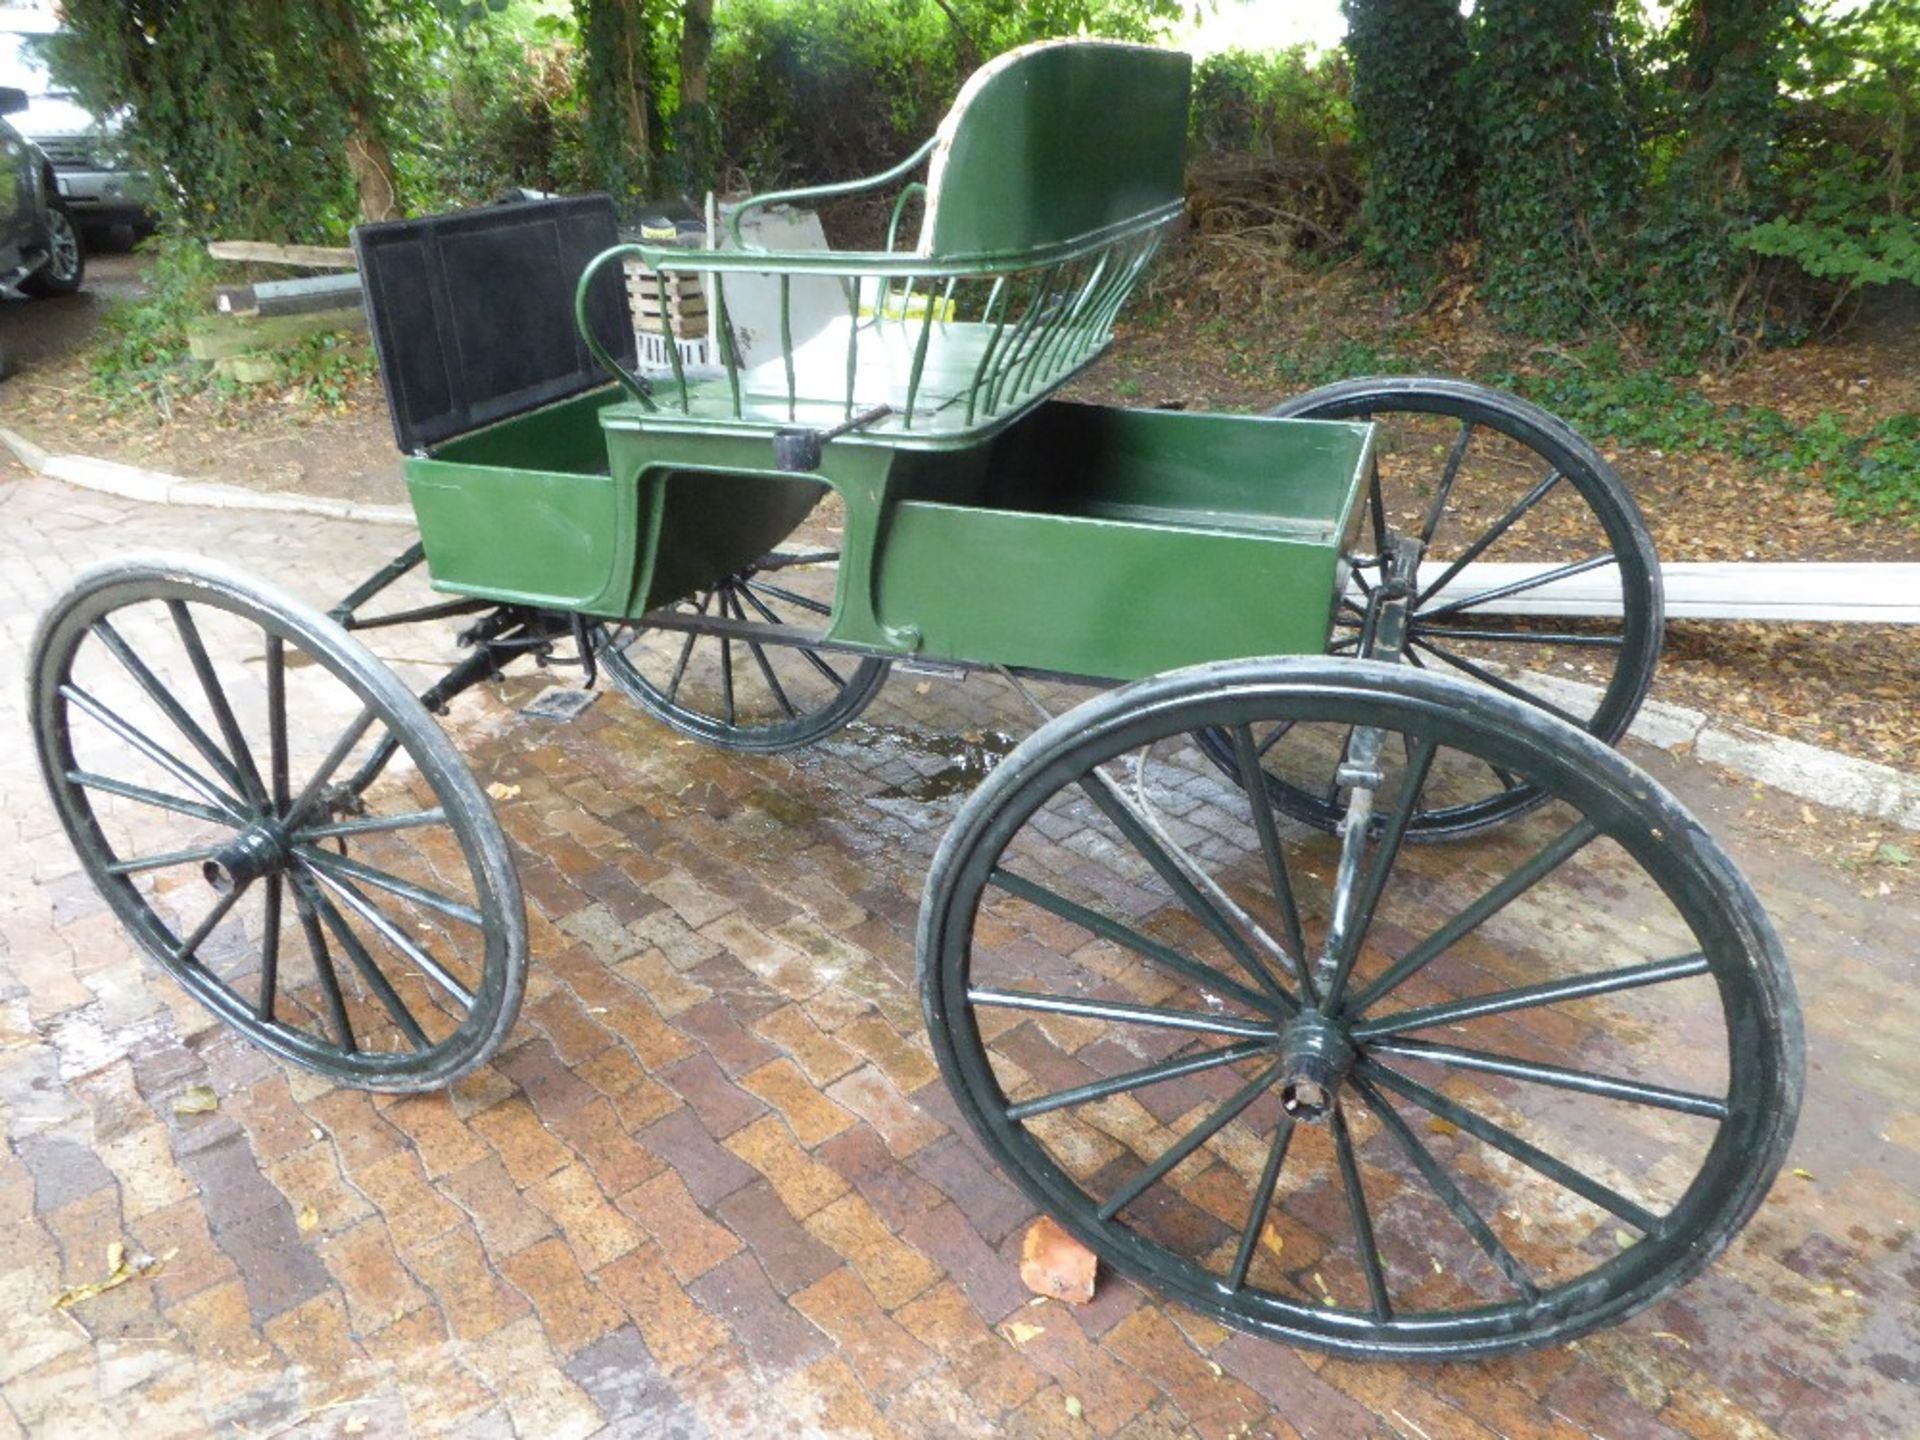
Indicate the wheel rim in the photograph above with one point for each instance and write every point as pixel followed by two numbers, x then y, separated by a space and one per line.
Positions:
pixel 361 920
pixel 757 693
pixel 1173 1156
pixel 63 259
pixel 1488 480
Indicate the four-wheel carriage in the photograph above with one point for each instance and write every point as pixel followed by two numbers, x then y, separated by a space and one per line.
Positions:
pixel 1185 975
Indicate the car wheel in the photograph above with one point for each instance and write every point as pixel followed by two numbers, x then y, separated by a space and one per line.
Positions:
pixel 66 263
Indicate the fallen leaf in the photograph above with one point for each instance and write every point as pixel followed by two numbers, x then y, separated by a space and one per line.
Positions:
pixel 500 790
pixel 1074 1407
pixel 1624 1240
pixel 1803 1174
pixel 196 1100
pixel 1892 854
pixel 120 1274
pixel 1442 1127
pixel 1680 1340
pixel 309 1218
pixel 1020 1333
pixel 356 1424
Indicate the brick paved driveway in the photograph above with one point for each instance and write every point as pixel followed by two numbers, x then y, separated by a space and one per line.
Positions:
pixel 714 1187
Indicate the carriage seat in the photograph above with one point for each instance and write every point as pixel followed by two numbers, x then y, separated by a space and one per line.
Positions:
pixel 1048 186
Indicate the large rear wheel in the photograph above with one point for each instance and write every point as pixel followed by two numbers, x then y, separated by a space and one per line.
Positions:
pixel 1537 577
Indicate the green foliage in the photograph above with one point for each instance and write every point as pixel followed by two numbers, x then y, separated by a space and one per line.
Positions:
pixel 1871 471
pixel 1293 105
pixel 141 356
pixel 1413 113
pixel 1849 172
pixel 1556 171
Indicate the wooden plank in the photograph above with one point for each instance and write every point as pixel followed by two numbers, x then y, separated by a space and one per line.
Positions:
pixel 1869 593
pixel 307 257
pixel 219 337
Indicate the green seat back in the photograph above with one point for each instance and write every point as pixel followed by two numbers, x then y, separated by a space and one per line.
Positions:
pixel 1056 141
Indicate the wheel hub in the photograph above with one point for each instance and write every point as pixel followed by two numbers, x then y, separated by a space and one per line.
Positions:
pixel 1315 1055
pixel 258 850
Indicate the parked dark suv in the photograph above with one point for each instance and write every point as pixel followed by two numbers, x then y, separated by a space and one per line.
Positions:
pixel 39 245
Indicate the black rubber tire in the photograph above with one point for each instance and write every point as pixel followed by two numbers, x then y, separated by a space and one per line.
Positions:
pixel 1749 988
pixel 66 268
pixel 1619 523
pixel 303 636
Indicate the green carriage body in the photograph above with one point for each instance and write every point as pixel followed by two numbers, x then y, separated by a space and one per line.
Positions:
pixel 984 522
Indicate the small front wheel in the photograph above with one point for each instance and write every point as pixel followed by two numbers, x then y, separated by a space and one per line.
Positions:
pixel 276 820
pixel 1384 1100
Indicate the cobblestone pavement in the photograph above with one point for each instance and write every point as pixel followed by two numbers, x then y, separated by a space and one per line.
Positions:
pixel 713 1186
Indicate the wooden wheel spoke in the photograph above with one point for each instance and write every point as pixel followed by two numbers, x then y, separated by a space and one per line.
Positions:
pixel 1496 680
pixel 1520 587
pixel 1520 637
pixel 1262 1203
pixel 1447 477
pixel 1585 1082
pixel 1198 905
pixel 1359 1216
pixel 1135 1079
pixel 161 862
pixel 392 884
pixel 270 949
pixel 176 713
pixel 107 785
pixel 397 938
pixel 1552 855
pixel 1443 1186
pixel 1190 1142
pixel 1549 992
pixel 1123 935
pixel 1504 1140
pixel 686 649
pixel 370 971
pixel 189 947
pixel 317 782
pixel 216 694
pixel 1490 536
pixel 160 756
pixel 1122 1012
pixel 791 597
pixel 1253 781
pixel 373 825
pixel 277 756
pixel 323 969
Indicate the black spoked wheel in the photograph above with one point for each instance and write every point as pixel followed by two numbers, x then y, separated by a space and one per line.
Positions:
pixel 1379 1099
pixel 761 692
pixel 277 821
pixel 1538 576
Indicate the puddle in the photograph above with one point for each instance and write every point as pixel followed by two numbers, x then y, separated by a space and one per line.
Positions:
pixel 971 756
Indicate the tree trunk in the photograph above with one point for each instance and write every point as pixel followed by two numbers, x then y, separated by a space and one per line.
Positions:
pixel 368 158
pixel 695 142
pixel 619 95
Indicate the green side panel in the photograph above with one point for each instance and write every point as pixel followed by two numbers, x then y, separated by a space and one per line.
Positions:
pixel 1058 141
pixel 527 512
pixel 1121 543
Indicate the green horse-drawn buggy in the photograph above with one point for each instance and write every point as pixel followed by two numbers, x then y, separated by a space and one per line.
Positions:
pixel 1189 971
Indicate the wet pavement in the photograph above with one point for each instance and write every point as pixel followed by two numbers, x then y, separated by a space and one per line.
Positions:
pixel 37 333
pixel 714 1186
